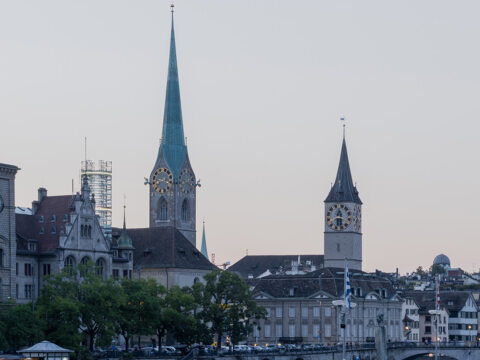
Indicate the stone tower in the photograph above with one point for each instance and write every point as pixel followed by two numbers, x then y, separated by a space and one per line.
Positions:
pixel 343 219
pixel 172 181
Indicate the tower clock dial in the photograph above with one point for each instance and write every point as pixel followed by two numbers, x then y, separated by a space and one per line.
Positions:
pixel 162 180
pixel 339 217
pixel 357 218
pixel 186 181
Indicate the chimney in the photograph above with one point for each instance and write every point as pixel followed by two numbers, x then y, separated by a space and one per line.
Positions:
pixel 42 193
pixel 35 205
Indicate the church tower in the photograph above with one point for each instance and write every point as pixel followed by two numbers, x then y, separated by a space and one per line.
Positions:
pixel 343 219
pixel 172 181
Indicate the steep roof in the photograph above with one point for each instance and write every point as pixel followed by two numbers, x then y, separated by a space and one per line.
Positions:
pixel 328 280
pixel 165 247
pixel 204 243
pixel 173 145
pixel 453 301
pixel 256 265
pixel 343 190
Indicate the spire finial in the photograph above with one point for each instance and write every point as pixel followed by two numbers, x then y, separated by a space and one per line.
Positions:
pixel 342 118
pixel 124 211
pixel 171 7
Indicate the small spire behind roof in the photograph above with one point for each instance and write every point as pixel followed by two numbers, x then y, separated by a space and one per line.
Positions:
pixel 204 243
pixel 124 241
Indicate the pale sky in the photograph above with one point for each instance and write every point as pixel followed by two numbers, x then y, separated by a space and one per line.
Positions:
pixel 263 84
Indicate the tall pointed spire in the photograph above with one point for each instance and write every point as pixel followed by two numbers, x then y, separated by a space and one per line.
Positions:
pixel 124 241
pixel 173 139
pixel 343 190
pixel 204 243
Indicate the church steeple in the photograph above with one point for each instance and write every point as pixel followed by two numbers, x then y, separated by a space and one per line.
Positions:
pixel 343 190
pixel 204 243
pixel 173 141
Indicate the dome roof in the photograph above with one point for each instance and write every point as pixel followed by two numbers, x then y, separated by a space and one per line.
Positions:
pixel 441 260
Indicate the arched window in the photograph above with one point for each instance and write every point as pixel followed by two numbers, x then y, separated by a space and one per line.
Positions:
pixel 82 231
pixel 89 231
pixel 84 264
pixel 163 209
pixel 185 214
pixel 100 267
pixel 70 264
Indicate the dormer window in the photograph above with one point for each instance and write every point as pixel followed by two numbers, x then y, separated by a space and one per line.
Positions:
pixel 32 247
pixel 53 218
pixel 41 219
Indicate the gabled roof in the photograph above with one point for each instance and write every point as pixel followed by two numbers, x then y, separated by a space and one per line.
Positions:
pixel 343 190
pixel 255 265
pixel 328 280
pixel 165 247
pixel 453 301
pixel 173 146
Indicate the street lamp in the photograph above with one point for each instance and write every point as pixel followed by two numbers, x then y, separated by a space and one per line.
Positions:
pixel 344 306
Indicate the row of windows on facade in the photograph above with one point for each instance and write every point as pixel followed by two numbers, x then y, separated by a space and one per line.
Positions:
pixel 70 264
pixel 164 210
pixel 29 269
pixel 441 330
pixel 126 274
pixel 462 326
pixel 123 254
pixel 315 331
pixel 53 218
pixel 371 312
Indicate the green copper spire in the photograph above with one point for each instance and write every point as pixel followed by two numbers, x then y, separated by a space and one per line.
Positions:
pixel 204 243
pixel 173 141
pixel 124 241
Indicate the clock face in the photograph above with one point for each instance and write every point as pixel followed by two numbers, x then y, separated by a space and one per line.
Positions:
pixel 162 180
pixel 186 181
pixel 357 218
pixel 339 217
pixel 2 204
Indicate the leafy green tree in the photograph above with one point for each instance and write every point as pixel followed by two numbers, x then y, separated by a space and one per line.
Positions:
pixel 228 306
pixel 179 314
pixel 437 269
pixel 24 328
pixel 420 271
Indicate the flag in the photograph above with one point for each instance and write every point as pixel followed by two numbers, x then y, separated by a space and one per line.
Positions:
pixel 347 291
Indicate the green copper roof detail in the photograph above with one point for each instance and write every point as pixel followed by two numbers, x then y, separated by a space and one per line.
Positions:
pixel 173 140
pixel 204 243
pixel 124 241
pixel 343 190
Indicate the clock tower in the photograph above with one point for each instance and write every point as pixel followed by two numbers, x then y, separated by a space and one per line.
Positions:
pixel 172 182
pixel 343 219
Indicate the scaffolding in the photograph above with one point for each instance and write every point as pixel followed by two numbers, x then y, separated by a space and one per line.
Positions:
pixel 100 181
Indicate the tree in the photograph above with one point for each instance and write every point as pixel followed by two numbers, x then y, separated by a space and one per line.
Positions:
pixel 420 271
pixel 437 269
pixel 179 314
pixel 228 306
pixel 24 328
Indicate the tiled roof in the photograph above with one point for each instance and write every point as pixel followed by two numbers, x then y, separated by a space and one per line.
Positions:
pixel 256 265
pixel 454 301
pixel 343 190
pixel 163 248
pixel 329 280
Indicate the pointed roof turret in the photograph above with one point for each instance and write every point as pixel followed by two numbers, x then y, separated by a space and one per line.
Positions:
pixel 343 190
pixel 173 140
pixel 124 241
pixel 204 243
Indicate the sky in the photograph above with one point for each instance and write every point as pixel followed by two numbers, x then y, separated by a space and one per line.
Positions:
pixel 263 85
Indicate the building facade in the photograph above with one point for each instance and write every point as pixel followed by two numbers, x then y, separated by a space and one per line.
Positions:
pixel 343 219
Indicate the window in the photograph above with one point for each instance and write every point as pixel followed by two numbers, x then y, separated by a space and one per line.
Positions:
pixel 84 264
pixel 291 291
pixel 115 274
pixel 304 330
pixel 316 330
pixel 42 230
pixel 304 312
pixel 316 311
pixel 53 218
pixel 163 209
pixel 267 331
pixel 28 291
pixel 267 315
pixel 89 229
pixel 185 214
pixel 65 218
pixel 82 231
pixel 291 330
pixel 32 246
pixel 278 311
pixel 54 230
pixel 28 269
pixel 328 330
pixel 428 329
pixel 428 318
pixel 70 264
pixel 328 312
pixel 125 273
pixel 41 219
pixel 278 330
pixel 46 269
pixel 291 312
pixel 100 267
